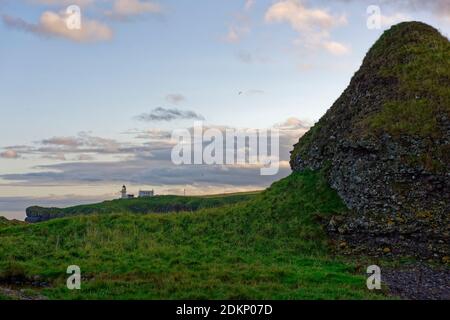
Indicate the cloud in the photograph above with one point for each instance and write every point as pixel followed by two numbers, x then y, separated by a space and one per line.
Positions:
pixel 239 27
pixel 249 58
pixel 9 154
pixel 175 98
pixel 249 4
pixel 55 156
pixel 293 123
pixel 150 164
pixel 81 3
pixel 232 35
pixel 145 172
pixel 236 33
pixel 82 147
pixel 63 141
pixel 302 18
pixel 151 134
pixel 437 7
pixel 104 144
pixel 84 142
pixel 313 25
pixel 245 57
pixel 162 114
pixel 85 157
pixel 124 9
pixel 335 48
pixel 252 92
pixel 389 20
pixel 53 24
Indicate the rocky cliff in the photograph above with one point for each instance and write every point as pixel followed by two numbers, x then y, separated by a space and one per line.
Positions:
pixel 40 214
pixel 385 147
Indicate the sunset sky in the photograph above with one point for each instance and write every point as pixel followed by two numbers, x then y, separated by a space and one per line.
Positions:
pixel 86 111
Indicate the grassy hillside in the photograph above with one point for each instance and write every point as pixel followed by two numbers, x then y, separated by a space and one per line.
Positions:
pixel 417 56
pixel 401 89
pixel 269 247
pixel 6 223
pixel 3 222
pixel 157 204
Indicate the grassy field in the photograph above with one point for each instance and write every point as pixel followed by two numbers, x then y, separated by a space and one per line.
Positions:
pixel 6 223
pixel 3 297
pixel 270 247
pixel 157 204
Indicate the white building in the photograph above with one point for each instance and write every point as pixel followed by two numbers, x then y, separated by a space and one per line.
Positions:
pixel 145 194
pixel 124 193
pixel 142 194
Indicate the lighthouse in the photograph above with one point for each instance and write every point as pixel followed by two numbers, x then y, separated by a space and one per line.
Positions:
pixel 124 192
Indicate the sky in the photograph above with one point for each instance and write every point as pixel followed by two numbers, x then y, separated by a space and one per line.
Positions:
pixel 85 111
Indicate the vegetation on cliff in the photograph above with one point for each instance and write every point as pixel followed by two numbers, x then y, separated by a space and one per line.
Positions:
pixel 386 146
pixel 417 57
pixel 269 247
pixel 157 204
pixel 402 89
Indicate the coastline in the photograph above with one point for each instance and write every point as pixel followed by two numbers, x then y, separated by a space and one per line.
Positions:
pixel 14 215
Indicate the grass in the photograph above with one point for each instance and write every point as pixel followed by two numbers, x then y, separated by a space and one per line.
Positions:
pixel 417 56
pixel 227 195
pixel 270 247
pixel 157 204
pixel 7 223
pixel 3 222
pixel 402 89
pixel 3 297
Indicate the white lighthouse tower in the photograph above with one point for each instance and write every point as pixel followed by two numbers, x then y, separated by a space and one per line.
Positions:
pixel 124 192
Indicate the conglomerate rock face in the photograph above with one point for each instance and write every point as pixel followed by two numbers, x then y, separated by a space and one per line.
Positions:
pixel 385 145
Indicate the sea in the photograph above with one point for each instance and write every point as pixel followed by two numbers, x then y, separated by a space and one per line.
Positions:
pixel 14 215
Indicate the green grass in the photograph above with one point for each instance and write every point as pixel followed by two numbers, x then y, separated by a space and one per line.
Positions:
pixel 8 223
pixel 245 195
pixel 157 204
pixel 408 69
pixel 3 222
pixel 3 297
pixel 270 247
pixel 418 58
